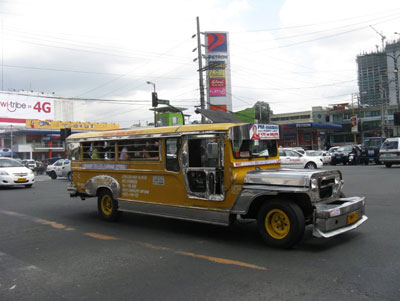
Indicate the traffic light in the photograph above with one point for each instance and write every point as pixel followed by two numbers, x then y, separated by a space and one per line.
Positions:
pixel 64 133
pixel 154 99
pixel 396 117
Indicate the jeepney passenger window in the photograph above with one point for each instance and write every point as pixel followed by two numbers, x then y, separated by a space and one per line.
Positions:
pixel 109 150
pixel 172 146
pixel 98 150
pixel 74 151
pixel 138 149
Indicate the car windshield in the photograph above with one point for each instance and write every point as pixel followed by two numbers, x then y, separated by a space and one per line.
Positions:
pixel 9 163
pixel 390 144
pixel 372 142
pixel 313 153
pixel 346 148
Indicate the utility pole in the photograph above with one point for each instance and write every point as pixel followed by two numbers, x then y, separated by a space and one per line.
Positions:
pixel 359 117
pixel 383 121
pixel 199 58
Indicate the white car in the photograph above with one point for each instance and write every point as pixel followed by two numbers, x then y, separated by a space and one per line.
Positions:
pixel 293 159
pixel 60 168
pixel 325 156
pixel 13 173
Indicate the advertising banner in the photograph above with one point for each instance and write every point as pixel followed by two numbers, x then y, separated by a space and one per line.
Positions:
pixel 263 131
pixel 217 74
pixel 15 108
pixel 217 82
pixel 73 125
pixel 217 92
pixel 354 124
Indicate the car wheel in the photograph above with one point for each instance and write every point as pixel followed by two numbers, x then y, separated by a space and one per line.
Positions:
pixel 28 185
pixel 70 177
pixel 388 165
pixel 53 175
pixel 281 223
pixel 311 165
pixel 107 206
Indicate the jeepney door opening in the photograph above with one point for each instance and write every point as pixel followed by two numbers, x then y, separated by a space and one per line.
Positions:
pixel 204 166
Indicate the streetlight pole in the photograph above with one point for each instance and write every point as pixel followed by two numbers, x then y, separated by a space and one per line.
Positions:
pixel 155 113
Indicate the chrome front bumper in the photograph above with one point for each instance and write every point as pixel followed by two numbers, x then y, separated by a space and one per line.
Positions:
pixel 340 216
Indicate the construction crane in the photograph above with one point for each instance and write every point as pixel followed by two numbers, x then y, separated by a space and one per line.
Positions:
pixel 382 37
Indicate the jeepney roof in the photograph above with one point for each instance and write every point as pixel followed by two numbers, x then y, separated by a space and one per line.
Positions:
pixel 156 131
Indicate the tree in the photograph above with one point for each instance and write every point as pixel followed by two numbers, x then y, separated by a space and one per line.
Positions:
pixel 263 112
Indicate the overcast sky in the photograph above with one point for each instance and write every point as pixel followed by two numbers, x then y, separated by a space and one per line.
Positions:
pixel 293 54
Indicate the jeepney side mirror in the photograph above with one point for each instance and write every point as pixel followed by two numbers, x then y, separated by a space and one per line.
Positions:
pixel 212 150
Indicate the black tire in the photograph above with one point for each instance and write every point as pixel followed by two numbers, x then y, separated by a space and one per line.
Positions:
pixel 28 185
pixel 281 223
pixel 311 165
pixel 69 176
pixel 53 175
pixel 388 165
pixel 107 206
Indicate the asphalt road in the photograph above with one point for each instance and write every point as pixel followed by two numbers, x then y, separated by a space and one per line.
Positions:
pixel 53 247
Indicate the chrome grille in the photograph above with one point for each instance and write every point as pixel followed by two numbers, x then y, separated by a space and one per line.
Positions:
pixel 326 187
pixel 20 174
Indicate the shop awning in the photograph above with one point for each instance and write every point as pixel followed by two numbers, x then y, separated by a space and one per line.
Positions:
pixel 313 125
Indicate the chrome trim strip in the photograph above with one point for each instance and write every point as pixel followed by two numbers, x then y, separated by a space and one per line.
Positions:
pixel 196 214
pixel 319 233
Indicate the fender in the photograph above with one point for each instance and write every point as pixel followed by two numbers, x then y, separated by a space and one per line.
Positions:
pixel 251 192
pixel 103 181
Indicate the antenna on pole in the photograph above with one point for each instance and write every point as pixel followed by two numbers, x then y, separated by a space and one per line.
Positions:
pixel 382 37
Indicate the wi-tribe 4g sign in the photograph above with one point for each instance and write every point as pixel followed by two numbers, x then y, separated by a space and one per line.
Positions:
pixel 18 108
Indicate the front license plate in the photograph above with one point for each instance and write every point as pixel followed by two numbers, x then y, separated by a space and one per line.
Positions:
pixel 21 180
pixel 352 217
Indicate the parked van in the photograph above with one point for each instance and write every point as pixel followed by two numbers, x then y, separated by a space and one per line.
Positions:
pixel 210 173
pixel 389 153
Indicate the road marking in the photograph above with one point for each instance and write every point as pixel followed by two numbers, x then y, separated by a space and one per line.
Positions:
pixel 101 236
pixel 53 224
pixel 222 260
pixel 218 260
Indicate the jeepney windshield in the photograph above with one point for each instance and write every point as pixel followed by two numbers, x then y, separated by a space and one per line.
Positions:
pixel 372 142
pixel 248 143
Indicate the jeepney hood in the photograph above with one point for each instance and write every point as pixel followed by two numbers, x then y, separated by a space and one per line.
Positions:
pixel 287 177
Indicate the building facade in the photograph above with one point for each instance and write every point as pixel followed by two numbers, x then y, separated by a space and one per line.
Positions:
pixel 378 76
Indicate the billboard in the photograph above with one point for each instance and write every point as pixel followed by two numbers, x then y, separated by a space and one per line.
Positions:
pixel 218 71
pixel 354 124
pixel 16 108
pixel 263 131
pixel 73 125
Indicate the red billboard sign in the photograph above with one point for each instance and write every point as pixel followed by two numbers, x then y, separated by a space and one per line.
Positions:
pixel 217 82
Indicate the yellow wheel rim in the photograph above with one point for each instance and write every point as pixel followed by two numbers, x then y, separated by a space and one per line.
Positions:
pixel 106 204
pixel 277 224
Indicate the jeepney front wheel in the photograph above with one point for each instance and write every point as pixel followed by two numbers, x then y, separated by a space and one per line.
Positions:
pixel 107 206
pixel 281 223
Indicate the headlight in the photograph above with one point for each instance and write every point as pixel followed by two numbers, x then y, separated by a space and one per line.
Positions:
pixel 314 183
pixel 3 173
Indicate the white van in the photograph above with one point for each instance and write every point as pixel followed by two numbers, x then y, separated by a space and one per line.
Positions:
pixel 61 168
pixel 389 153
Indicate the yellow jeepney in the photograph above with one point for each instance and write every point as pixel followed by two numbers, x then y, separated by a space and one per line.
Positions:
pixel 210 173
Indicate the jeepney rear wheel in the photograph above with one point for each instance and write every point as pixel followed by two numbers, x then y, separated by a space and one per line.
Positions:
pixel 281 223
pixel 107 206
